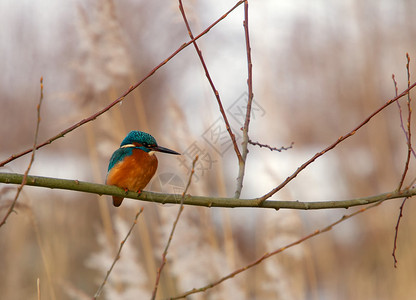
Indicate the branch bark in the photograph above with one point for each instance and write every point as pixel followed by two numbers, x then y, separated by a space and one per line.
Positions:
pixel 101 189
pixel 244 144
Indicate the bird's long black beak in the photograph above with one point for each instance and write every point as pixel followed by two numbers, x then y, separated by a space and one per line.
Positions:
pixel 165 150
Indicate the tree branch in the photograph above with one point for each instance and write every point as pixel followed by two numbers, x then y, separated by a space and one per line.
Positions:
pixel 117 257
pixel 408 133
pixel 101 189
pixel 211 83
pixel 244 144
pixel 165 252
pixel 333 145
pixel 270 254
pixel 121 98
pixel 32 158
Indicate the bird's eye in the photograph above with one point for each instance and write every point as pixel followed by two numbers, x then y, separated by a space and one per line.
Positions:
pixel 145 144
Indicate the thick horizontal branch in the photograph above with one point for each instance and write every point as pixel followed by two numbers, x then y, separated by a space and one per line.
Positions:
pixel 101 189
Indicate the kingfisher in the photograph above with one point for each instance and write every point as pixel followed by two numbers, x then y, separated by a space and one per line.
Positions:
pixel 133 164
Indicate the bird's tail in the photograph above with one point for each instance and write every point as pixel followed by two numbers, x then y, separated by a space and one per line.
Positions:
pixel 117 201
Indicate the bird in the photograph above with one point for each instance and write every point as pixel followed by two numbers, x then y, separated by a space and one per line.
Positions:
pixel 133 165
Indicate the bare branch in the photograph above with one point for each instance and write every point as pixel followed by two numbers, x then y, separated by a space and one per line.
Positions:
pixel 216 93
pixel 400 113
pixel 121 98
pixel 165 252
pixel 102 189
pixel 408 133
pixel 270 147
pixel 332 146
pixel 269 254
pixel 396 232
pixel 22 184
pixel 244 144
pixel 117 257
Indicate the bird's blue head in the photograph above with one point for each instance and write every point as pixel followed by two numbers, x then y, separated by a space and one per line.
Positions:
pixel 143 141
pixel 139 139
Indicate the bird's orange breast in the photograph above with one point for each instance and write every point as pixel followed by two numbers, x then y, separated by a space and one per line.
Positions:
pixel 133 172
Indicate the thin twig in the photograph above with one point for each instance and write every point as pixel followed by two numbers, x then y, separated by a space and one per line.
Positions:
pixel 216 93
pixel 121 98
pixel 165 252
pixel 270 147
pixel 19 189
pixel 206 201
pixel 396 233
pixel 117 257
pixel 401 114
pixel 244 144
pixel 269 254
pixel 396 89
pixel 408 133
pixel 332 146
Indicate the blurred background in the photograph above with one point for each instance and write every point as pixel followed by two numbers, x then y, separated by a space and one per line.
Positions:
pixel 319 69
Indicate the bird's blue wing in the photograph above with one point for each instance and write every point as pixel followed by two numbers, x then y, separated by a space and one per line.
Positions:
pixel 118 156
